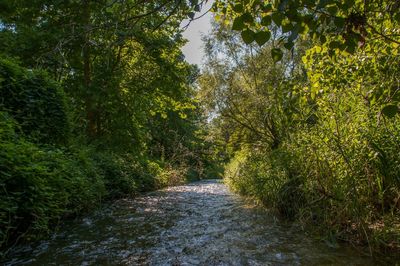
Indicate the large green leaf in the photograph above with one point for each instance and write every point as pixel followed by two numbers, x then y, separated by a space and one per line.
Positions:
pixel 238 24
pixel 277 18
pixel 248 36
pixel 339 22
pixel 287 27
pixel 266 21
pixel 262 37
pixel 247 17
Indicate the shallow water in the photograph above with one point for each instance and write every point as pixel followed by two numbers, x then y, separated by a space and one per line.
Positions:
pixel 197 224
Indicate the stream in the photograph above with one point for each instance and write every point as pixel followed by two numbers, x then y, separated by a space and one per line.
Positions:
pixel 201 223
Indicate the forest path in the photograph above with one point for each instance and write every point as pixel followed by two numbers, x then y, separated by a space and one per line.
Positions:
pixel 201 223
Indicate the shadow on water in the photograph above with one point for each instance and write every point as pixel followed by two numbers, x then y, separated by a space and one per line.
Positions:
pixel 197 224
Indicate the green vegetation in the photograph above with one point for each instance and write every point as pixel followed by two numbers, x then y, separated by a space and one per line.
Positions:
pixel 308 119
pixel 299 100
pixel 96 102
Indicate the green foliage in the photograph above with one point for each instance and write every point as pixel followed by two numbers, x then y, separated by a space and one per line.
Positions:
pixel 130 124
pixel 41 185
pixel 268 178
pixel 262 37
pixel 36 102
pixel 248 36
pixel 315 136
pixel 350 23
pixel 121 174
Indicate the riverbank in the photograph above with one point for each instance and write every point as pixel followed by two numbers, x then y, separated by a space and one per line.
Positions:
pixel 44 185
pixel 291 184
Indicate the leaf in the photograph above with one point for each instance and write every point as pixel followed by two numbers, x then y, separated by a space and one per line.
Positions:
pixel 312 24
pixel 248 36
pixel 289 45
pixel 191 15
pixel 292 13
pixel 293 36
pixel 238 24
pixel 276 54
pixel 287 27
pixel 350 45
pixel 277 18
pixel 238 8
pixel 397 17
pixel 247 17
pixel 267 8
pixel 339 22
pixel 262 37
pixel 322 39
pixel 266 21
pixel 390 110
pixel 334 45
pixel 317 49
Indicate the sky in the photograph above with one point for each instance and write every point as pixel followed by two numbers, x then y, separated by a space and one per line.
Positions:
pixel 193 50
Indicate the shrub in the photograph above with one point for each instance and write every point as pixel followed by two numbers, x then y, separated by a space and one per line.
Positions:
pixel 342 174
pixel 40 185
pixel 36 102
pixel 121 173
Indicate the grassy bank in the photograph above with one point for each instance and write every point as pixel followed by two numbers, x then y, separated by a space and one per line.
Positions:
pixel 342 193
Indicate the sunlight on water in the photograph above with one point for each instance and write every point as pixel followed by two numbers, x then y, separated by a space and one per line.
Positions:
pixel 197 224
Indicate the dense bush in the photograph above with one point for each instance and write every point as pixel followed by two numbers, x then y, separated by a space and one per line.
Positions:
pixel 120 174
pixel 35 101
pixel 350 168
pixel 350 191
pixel 40 185
pixel 267 177
pixel 342 174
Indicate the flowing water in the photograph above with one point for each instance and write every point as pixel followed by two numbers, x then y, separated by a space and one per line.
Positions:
pixel 197 224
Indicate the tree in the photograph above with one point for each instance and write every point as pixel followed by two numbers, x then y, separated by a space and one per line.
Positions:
pixel 246 88
pixel 350 23
pixel 88 41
